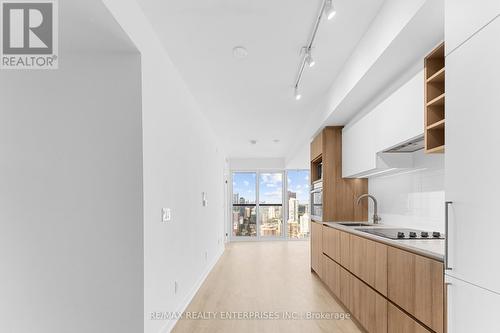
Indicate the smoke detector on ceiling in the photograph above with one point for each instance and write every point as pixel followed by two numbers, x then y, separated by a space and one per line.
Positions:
pixel 240 52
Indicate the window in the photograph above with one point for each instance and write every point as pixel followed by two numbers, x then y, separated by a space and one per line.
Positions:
pixel 271 204
pixel 299 212
pixel 265 206
pixel 244 204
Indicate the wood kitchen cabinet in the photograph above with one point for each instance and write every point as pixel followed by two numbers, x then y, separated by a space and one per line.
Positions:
pixel 344 249
pixel 331 241
pixel 345 287
pixel 317 248
pixel 387 289
pixel 400 322
pixel 331 272
pixel 368 261
pixel 416 284
pixel 434 116
pixel 369 308
pixel 339 194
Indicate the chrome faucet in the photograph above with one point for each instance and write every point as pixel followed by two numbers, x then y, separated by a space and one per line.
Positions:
pixel 376 218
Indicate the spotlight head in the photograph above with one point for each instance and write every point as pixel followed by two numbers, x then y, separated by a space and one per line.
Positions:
pixel 297 94
pixel 329 9
pixel 309 59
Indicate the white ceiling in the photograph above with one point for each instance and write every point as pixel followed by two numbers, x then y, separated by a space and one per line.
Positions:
pixel 88 27
pixel 252 98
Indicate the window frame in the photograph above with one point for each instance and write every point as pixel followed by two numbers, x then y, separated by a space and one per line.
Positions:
pixel 284 205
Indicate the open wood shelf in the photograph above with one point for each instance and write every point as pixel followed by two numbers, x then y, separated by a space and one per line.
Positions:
pixel 438 77
pixel 439 149
pixel 438 101
pixel 434 84
pixel 437 125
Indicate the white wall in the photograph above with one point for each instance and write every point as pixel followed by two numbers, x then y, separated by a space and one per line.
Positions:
pixel 256 163
pixel 300 159
pixel 413 199
pixel 181 159
pixel 71 245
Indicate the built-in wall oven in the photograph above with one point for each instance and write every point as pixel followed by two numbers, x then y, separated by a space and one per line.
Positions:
pixel 317 201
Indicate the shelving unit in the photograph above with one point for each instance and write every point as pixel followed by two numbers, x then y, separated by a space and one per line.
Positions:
pixel 435 101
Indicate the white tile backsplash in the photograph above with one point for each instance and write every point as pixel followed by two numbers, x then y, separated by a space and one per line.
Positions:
pixel 415 198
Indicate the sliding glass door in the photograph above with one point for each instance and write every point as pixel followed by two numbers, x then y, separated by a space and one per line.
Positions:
pixel 244 205
pixel 270 204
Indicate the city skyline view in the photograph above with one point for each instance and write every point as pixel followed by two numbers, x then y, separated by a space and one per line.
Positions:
pixel 272 199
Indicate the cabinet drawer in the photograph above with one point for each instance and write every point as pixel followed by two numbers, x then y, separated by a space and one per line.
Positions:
pixel 368 307
pixel 416 284
pixel 368 261
pixel 399 322
pixel 344 249
pixel 331 243
pixel 345 287
pixel 338 280
pixel 331 275
pixel 317 248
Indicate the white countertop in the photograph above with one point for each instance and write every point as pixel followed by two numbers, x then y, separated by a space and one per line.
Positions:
pixel 432 248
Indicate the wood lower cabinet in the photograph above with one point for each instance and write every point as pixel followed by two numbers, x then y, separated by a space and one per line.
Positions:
pixel 368 261
pixel 365 304
pixel 400 322
pixel 368 307
pixel 331 272
pixel 317 248
pixel 345 249
pixel 345 288
pixel 416 284
pixel 331 241
pixel 386 289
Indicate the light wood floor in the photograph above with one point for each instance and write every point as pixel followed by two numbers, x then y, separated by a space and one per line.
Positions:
pixel 264 276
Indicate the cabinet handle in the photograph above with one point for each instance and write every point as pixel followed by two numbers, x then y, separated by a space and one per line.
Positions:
pixel 446 210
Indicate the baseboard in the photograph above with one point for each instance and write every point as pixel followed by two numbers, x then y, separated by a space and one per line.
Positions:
pixel 189 297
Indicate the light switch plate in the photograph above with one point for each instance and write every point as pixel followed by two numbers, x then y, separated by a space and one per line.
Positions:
pixel 166 215
pixel 204 201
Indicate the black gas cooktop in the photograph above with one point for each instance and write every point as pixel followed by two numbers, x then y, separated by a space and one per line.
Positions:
pixel 403 233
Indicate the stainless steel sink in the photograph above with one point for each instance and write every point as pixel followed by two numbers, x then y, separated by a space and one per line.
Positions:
pixel 356 224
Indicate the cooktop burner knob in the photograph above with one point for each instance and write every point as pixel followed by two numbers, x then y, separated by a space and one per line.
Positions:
pixel 424 234
pixel 401 234
pixel 436 234
pixel 413 234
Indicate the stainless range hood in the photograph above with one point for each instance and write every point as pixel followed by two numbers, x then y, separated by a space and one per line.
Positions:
pixel 409 146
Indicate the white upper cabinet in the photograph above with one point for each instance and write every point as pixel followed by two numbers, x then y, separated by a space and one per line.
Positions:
pixel 472 157
pixel 463 18
pixel 398 118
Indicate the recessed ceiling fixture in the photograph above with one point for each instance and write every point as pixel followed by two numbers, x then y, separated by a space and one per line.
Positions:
pixel 240 52
pixel 328 10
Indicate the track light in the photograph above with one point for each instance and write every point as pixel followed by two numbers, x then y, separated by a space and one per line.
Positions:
pixel 329 9
pixel 309 59
pixel 297 94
